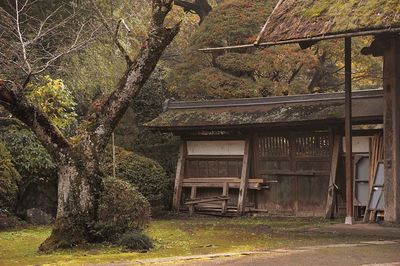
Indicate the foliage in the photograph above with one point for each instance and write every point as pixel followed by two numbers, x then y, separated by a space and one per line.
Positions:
pixel 136 240
pixel 9 178
pixel 145 174
pixel 121 208
pixel 279 70
pixel 53 98
pixel 28 155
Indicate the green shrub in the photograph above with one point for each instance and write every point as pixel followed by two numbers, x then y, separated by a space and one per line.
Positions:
pixel 121 208
pixel 145 174
pixel 9 178
pixel 136 240
pixel 29 156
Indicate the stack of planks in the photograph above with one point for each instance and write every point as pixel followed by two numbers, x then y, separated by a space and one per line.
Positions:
pixel 376 155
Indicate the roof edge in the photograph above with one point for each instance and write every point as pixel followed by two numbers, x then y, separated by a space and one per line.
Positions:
pixel 362 94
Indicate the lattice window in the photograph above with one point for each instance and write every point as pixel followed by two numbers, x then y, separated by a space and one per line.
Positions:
pixel 274 146
pixel 312 146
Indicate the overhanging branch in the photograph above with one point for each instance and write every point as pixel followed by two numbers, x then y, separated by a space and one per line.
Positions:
pixel 16 103
pixel 201 7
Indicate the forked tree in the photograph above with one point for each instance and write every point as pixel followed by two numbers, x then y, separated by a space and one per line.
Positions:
pixel 29 46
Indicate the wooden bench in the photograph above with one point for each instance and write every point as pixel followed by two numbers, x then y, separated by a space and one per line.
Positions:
pixel 216 182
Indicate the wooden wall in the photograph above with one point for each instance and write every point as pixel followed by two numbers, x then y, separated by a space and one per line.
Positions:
pixel 300 164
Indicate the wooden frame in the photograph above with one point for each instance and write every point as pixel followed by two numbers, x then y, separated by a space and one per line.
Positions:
pixel 244 178
pixel 333 174
pixel 180 171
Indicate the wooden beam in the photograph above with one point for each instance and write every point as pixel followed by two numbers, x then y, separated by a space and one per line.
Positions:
pixel 206 200
pixel 348 132
pixel 244 179
pixel 180 172
pixel 193 195
pixel 332 180
pixel 225 193
pixel 391 84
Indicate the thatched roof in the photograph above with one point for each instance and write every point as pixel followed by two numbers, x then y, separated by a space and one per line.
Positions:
pixel 317 109
pixel 302 19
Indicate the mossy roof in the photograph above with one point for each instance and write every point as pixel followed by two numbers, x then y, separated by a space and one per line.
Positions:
pixel 272 111
pixel 299 19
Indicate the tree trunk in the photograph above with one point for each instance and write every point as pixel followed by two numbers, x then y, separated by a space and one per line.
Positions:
pixel 79 191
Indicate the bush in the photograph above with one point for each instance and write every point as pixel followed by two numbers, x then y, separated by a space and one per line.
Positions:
pixel 38 184
pixel 121 208
pixel 29 156
pixel 145 174
pixel 9 178
pixel 136 240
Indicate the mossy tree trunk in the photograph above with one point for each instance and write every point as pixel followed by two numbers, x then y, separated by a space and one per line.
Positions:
pixel 80 180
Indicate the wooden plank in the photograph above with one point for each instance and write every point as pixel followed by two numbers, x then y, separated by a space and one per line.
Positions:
pixel 193 195
pixel 244 179
pixel 332 180
pixel 206 200
pixel 180 172
pixel 256 186
pixel 375 158
pixel 225 193
pixel 295 173
pixel 219 179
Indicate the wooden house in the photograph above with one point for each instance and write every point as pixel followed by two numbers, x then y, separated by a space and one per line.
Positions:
pixel 306 22
pixel 276 155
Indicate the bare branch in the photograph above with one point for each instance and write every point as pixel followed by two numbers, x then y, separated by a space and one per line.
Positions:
pixel 114 34
pixel 17 10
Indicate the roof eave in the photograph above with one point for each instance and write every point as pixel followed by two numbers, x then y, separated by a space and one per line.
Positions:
pixel 326 123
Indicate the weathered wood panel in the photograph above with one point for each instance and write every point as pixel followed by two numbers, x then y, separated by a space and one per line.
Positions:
pixel 216 147
pixel 218 167
pixel 300 162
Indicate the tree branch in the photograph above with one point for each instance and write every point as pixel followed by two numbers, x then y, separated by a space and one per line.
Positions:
pixel 16 103
pixel 105 118
pixel 201 7
pixel 114 34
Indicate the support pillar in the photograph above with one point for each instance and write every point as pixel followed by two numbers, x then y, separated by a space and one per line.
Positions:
pixel 244 179
pixel 180 172
pixel 391 84
pixel 348 133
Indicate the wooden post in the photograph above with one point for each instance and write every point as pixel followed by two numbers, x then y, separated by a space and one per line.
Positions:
pixel 391 84
pixel 349 137
pixel 193 195
pixel 332 180
pixel 180 171
pixel 244 179
pixel 225 193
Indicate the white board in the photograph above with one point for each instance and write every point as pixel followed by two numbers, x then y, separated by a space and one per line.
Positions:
pixel 216 147
pixel 360 144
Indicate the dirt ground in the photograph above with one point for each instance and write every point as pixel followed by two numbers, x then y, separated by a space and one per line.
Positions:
pixel 379 245
pixel 387 254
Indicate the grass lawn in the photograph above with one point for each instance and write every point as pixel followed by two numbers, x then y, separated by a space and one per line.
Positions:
pixel 173 237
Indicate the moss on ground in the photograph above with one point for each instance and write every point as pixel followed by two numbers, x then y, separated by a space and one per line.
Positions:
pixel 172 237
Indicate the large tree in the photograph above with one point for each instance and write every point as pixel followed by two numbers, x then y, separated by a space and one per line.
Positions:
pixel 30 43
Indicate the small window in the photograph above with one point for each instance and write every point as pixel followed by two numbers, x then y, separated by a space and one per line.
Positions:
pixel 274 146
pixel 312 146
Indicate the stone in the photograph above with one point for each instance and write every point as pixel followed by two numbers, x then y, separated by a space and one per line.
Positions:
pixel 39 217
